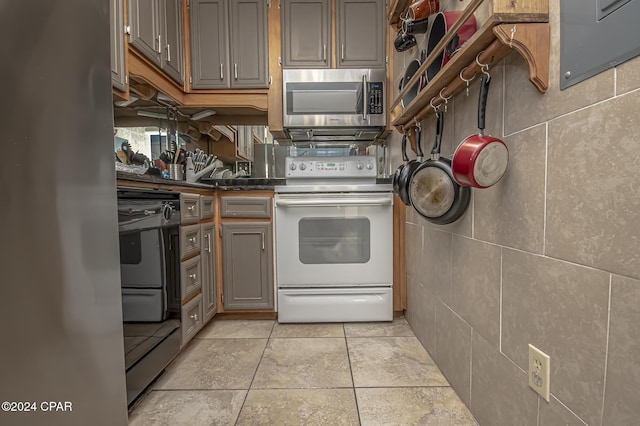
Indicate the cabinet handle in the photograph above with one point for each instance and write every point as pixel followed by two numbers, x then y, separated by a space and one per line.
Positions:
pixel 168 53
pixel 192 276
pixel 262 235
pixel 208 237
pixel 235 71
pixel 324 52
pixel 342 52
pixel 193 240
pixel 191 208
pixel 221 73
pixel 160 43
pixel 194 317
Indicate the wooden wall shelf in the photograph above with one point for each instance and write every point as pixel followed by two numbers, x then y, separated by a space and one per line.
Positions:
pixel 503 31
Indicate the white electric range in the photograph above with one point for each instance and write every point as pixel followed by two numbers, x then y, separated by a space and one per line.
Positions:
pixel 334 241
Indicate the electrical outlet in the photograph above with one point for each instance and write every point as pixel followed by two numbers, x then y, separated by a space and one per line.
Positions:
pixel 539 371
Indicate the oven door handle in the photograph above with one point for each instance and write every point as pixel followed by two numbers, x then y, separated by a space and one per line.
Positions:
pixel 331 202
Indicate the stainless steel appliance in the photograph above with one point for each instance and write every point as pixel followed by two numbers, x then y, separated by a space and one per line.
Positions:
pixel 334 104
pixel 61 304
pixel 334 234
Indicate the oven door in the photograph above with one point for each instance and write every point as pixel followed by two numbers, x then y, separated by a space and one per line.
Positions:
pixel 334 240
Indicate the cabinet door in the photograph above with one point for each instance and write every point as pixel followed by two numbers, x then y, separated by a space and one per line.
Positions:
pixel 208 264
pixel 209 44
pixel 118 72
pixel 360 36
pixel 248 43
pixel 306 34
pixel 171 22
pixel 247 261
pixel 145 34
pixel 244 147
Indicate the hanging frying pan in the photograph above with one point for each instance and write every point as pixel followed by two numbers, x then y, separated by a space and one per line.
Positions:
pixel 411 69
pixel 433 192
pixel 480 161
pixel 407 171
pixel 396 175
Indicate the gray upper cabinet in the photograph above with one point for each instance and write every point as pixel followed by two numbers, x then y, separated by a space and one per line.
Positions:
pixel 171 57
pixel 229 47
pixel 144 19
pixel 306 33
pixel 360 27
pixel 247 262
pixel 209 44
pixel 118 72
pixel 156 32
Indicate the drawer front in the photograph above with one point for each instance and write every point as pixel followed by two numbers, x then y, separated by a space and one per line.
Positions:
pixel 190 277
pixel 206 206
pixel 189 208
pixel 190 239
pixel 257 207
pixel 191 319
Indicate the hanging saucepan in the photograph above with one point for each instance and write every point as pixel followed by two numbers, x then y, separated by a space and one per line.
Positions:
pixel 396 175
pixel 439 27
pixel 480 161
pixel 433 192
pixel 408 169
pixel 404 41
pixel 411 26
pixel 421 9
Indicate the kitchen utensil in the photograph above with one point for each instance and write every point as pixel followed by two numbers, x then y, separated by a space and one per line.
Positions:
pixel 411 26
pixel 439 27
pixel 404 41
pixel 415 89
pixel 480 161
pixel 421 9
pixel 176 155
pixel 395 180
pixel 433 191
pixel 409 169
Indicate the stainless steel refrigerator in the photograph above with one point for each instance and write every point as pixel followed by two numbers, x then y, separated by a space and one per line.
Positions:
pixel 60 302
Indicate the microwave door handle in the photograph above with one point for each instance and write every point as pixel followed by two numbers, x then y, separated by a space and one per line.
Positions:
pixel 365 96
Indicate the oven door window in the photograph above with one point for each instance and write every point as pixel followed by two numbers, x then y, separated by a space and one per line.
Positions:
pixel 326 241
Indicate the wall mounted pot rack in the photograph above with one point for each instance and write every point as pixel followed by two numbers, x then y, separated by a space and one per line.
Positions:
pixel 500 34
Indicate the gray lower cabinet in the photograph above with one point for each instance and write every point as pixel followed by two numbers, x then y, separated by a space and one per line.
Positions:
pixel 360 33
pixel 229 44
pixel 247 261
pixel 156 32
pixel 191 319
pixel 208 265
pixel 307 38
pixel 118 72
pixel 306 33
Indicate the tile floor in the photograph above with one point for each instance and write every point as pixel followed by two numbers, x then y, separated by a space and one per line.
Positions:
pixel 266 373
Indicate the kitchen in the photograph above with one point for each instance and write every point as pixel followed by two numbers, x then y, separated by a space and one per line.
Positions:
pixel 547 256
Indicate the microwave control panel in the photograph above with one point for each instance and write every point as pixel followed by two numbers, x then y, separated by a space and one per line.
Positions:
pixel 375 98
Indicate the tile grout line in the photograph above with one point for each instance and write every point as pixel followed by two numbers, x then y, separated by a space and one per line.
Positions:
pixel 353 383
pixel 255 372
pixel 606 353
pixel 546 181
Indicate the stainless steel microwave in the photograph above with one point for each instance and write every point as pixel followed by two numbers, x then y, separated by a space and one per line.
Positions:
pixel 317 98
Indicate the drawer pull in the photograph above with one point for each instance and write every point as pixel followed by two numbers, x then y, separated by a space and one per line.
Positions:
pixel 194 317
pixel 193 240
pixel 191 208
pixel 192 276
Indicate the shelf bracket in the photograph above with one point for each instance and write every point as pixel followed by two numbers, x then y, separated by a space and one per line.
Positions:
pixel 531 41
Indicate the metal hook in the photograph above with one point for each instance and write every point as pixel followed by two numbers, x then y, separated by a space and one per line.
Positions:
pixel 417 123
pixel 483 67
pixel 467 81
pixel 513 32
pixel 435 108
pixel 446 100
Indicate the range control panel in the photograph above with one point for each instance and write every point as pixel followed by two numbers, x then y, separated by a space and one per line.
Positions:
pixel 331 167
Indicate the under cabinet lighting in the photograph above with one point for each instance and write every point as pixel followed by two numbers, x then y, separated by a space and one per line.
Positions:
pixel 152 115
pixel 202 114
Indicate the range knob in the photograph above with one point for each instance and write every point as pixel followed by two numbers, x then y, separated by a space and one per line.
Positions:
pixel 292 166
pixel 369 166
pixel 167 211
pixel 302 166
pixel 359 166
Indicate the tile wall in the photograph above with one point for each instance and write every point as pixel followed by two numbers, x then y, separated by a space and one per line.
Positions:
pixel 549 256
